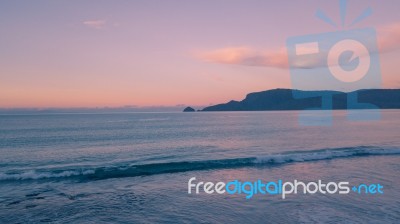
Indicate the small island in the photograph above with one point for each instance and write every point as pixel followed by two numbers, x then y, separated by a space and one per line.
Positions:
pixel 189 109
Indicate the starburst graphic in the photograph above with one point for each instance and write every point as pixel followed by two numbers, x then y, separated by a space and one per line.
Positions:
pixel 343 10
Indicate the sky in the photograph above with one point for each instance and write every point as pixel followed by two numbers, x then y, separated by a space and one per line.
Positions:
pixel 166 53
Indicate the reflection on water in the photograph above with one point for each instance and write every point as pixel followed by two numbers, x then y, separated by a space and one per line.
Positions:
pixel 51 167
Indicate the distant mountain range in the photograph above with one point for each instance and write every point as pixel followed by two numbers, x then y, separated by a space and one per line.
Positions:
pixel 289 99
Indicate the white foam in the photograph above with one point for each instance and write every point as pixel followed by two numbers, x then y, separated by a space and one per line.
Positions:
pixel 33 175
pixel 324 154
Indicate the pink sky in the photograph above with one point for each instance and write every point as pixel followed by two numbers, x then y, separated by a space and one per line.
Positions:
pixel 148 53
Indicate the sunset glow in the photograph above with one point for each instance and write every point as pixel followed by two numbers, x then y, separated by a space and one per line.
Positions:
pixel 150 53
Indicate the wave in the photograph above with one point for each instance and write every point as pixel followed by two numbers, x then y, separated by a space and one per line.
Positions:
pixel 99 173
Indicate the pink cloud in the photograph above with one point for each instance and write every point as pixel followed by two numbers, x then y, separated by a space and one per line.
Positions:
pixel 388 40
pixel 389 37
pixel 95 24
pixel 245 56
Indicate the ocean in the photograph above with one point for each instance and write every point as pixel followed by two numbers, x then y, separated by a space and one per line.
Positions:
pixel 135 167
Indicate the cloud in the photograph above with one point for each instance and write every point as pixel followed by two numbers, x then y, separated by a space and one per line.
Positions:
pixel 389 37
pixel 245 56
pixel 95 24
pixel 388 40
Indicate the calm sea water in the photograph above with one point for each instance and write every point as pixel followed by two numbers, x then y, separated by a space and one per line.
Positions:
pixel 134 167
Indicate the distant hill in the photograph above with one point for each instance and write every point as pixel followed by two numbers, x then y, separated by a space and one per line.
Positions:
pixel 288 99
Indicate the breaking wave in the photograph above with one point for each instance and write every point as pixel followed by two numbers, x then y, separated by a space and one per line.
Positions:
pixel 98 173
